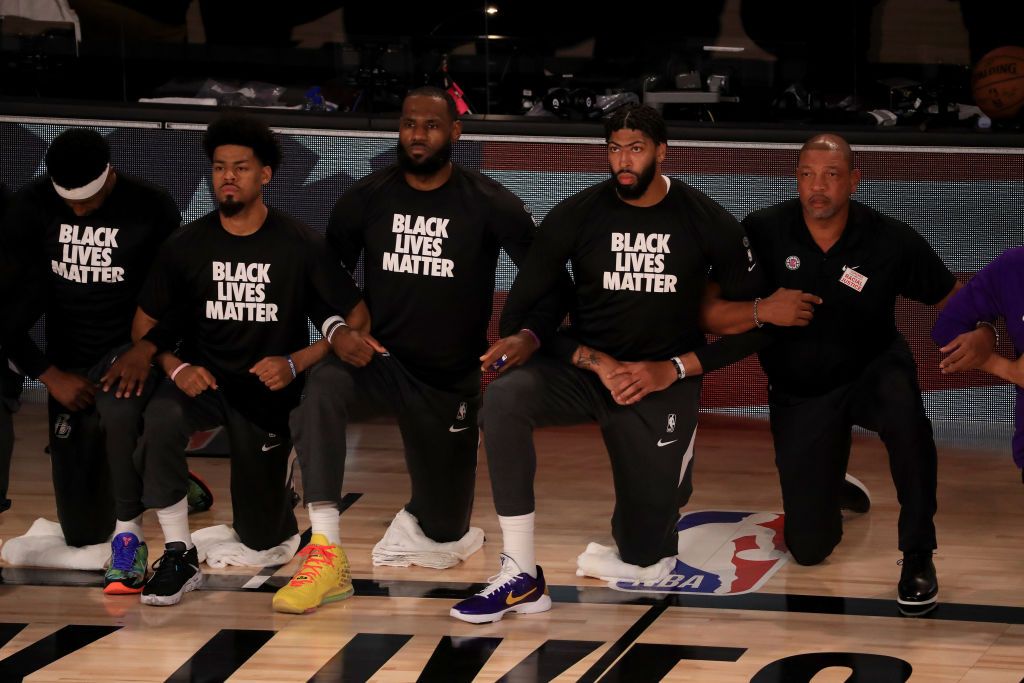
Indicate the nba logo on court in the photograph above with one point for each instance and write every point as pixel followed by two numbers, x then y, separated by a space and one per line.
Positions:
pixel 721 553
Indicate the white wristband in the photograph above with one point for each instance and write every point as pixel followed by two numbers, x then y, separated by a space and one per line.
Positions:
pixel 326 327
pixel 174 373
pixel 334 328
pixel 680 368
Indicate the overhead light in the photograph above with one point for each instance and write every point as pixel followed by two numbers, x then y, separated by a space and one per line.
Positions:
pixel 491 9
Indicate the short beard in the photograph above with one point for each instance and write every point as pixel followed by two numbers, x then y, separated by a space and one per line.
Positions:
pixel 428 165
pixel 824 213
pixel 637 189
pixel 230 207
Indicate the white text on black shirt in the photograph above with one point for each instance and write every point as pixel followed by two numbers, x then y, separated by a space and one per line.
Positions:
pixel 241 293
pixel 640 263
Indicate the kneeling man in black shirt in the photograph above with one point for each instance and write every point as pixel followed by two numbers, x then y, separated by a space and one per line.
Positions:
pixel 236 286
pixel 850 366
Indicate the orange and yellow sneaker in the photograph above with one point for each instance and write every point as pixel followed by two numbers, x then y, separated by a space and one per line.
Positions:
pixel 323 577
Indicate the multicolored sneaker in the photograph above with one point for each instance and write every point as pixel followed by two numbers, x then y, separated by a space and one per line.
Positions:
pixel 129 560
pixel 174 574
pixel 198 495
pixel 323 577
pixel 511 590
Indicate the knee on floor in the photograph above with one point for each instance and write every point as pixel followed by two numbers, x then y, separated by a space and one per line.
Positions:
pixel 809 551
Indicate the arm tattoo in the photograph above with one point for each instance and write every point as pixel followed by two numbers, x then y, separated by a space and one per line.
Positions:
pixel 587 358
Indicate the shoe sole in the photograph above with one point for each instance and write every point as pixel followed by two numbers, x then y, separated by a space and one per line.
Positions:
pixel 858 484
pixel 337 597
pixel 118 588
pixel 168 600
pixel 915 608
pixel 541 604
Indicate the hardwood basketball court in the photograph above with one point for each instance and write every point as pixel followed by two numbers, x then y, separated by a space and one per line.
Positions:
pixel 59 626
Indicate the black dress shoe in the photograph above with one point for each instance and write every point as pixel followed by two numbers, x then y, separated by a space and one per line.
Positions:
pixel 918 589
pixel 854 496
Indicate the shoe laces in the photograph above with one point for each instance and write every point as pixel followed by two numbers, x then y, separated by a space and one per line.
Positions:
pixel 124 555
pixel 317 557
pixel 504 577
pixel 168 564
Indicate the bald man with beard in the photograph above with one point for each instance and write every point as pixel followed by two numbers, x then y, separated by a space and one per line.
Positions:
pixel 850 365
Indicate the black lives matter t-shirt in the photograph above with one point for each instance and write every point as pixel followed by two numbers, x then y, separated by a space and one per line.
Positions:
pixel 429 263
pixel 640 272
pixel 91 268
pixel 236 300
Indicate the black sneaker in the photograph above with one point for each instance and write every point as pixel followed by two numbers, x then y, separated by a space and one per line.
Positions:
pixel 918 590
pixel 854 496
pixel 174 574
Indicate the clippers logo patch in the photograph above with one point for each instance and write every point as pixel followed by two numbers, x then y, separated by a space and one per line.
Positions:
pixel 721 553
pixel 852 279
pixel 793 262
pixel 670 424
pixel 62 426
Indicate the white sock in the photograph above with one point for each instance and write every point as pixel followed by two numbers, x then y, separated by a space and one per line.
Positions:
pixel 174 523
pixel 132 526
pixel 517 537
pixel 324 518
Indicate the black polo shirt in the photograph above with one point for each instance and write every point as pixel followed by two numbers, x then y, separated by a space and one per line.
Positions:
pixel 876 259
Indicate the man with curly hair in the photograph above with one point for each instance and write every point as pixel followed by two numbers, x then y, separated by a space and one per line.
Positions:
pixel 235 287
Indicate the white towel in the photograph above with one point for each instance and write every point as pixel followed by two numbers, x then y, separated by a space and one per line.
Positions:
pixel 43 545
pixel 604 563
pixel 404 543
pixel 220 546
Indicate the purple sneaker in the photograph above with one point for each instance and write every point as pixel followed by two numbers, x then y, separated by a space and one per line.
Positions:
pixel 510 591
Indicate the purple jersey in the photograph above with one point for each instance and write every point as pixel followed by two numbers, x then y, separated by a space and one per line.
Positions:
pixel 996 290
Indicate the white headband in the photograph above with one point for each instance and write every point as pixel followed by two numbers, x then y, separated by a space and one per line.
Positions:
pixel 85 191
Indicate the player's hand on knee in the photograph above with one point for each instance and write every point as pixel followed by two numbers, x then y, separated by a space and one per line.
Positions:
pixel 71 390
pixel 129 371
pixel 509 352
pixel 1016 373
pixel 274 372
pixel 969 350
pixel 788 308
pixel 638 379
pixel 194 380
pixel 355 347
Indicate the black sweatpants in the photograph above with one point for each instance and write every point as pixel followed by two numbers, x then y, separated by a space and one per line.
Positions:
pixel 439 431
pixel 812 449
pixel 261 497
pixel 91 458
pixel 650 445
pixel 10 393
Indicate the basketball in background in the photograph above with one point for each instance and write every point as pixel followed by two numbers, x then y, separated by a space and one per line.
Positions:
pixel 998 82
